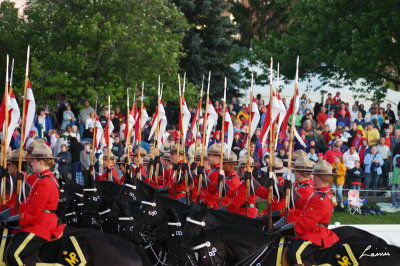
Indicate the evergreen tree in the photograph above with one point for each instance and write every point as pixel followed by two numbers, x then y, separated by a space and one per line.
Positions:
pixel 208 44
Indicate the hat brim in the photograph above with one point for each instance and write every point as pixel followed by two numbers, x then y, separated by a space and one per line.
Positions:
pixel 41 156
pixel 281 171
pixel 302 169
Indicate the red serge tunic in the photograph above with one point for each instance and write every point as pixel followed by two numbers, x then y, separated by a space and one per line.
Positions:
pixel 233 182
pixel 238 205
pixel 36 216
pixel 317 214
pixel 305 189
pixel 276 205
pixel 104 175
pixel 211 196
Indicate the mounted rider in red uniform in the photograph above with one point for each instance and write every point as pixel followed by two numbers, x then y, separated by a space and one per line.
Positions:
pixel 311 228
pixel 214 159
pixel 37 217
pixel 232 180
pixel 238 202
pixel 109 169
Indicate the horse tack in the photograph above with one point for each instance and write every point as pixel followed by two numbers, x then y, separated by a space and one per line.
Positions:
pixel 211 251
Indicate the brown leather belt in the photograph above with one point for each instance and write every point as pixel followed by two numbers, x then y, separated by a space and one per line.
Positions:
pixel 251 205
pixel 322 225
pixel 49 211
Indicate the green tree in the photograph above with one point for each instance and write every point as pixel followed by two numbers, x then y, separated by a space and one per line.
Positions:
pixel 86 48
pixel 340 39
pixel 258 18
pixel 208 43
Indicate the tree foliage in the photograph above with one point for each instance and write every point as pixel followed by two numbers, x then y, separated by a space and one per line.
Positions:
pixel 341 40
pixel 208 44
pixel 87 48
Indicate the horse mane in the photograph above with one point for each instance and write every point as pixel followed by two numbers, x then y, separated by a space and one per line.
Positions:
pixel 107 189
pixel 237 218
pixel 171 204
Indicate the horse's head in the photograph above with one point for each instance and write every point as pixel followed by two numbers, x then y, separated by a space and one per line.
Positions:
pixel 127 192
pixel 193 227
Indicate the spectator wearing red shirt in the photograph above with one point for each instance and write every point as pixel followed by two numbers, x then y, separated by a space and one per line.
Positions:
pixel 343 107
pixel 357 140
pixel 326 134
pixel 330 155
pixel 322 116
pixel 336 99
pixel 363 150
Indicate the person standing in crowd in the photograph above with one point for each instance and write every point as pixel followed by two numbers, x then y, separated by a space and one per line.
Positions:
pixel 84 115
pixel 394 141
pixel 338 180
pixel 59 142
pixel 395 180
pixel 75 149
pixel 373 169
pixel 330 155
pixel 356 175
pixel 390 114
pixel 331 122
pixel 354 113
pixel 117 147
pixel 372 134
pixel 115 121
pixel 322 117
pixel 85 159
pixel 344 119
pixel 43 123
pixel 360 120
pixel 384 151
pixel 68 118
pixel 64 162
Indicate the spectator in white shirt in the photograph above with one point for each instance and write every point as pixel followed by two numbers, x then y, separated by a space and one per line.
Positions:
pixel 331 122
pixel 350 157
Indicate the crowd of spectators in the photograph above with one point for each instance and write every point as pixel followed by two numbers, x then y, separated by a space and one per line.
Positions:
pixel 362 144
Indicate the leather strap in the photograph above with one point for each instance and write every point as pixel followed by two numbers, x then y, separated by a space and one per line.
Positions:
pixel 48 211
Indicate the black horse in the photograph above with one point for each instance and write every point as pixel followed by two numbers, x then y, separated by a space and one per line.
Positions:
pixel 202 218
pixel 85 247
pixel 242 245
pixel 155 225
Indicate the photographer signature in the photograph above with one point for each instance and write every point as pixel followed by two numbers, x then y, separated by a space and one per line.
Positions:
pixel 378 254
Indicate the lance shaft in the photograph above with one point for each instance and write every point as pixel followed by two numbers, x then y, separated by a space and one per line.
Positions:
pixel 271 156
pixel 202 147
pixel 140 137
pixel 248 152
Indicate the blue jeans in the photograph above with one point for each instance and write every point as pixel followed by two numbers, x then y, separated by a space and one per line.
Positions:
pixel 81 128
pixel 395 195
pixel 375 179
pixel 338 189
pixel 385 171
pixel 356 187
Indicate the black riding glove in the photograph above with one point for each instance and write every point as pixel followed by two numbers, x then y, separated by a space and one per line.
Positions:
pixel 176 166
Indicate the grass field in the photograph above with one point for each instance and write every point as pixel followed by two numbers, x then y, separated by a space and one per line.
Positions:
pixel 347 218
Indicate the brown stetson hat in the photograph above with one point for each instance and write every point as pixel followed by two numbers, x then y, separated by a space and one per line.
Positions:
pixel 146 159
pixel 278 166
pixel 198 155
pixel 243 161
pixel 143 152
pixel 323 170
pixel 174 149
pixel 42 151
pixel 166 156
pixel 214 149
pixel 14 156
pixel 232 158
pixel 35 143
pixel 303 164
pixel 297 154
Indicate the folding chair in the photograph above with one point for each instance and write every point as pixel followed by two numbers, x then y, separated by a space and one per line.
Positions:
pixel 354 202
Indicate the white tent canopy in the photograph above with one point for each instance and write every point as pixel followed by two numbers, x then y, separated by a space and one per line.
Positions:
pixel 347 95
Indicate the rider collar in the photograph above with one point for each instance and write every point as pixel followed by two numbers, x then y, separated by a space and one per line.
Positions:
pixel 323 189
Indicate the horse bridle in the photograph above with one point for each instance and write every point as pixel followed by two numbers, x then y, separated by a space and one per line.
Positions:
pixel 212 252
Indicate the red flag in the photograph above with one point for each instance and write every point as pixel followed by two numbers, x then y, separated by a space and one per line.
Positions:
pixel 285 122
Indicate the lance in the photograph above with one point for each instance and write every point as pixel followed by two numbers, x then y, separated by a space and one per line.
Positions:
pixel 127 141
pixel 23 129
pixel 129 135
pixel 109 137
pixel 248 144
pixel 156 135
pixel 184 141
pixel 291 139
pixel 179 135
pixel 204 137
pixel 159 137
pixel 94 140
pixel 140 133
pixel 271 151
pixel 5 133
pixel 198 118
pixel 221 171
